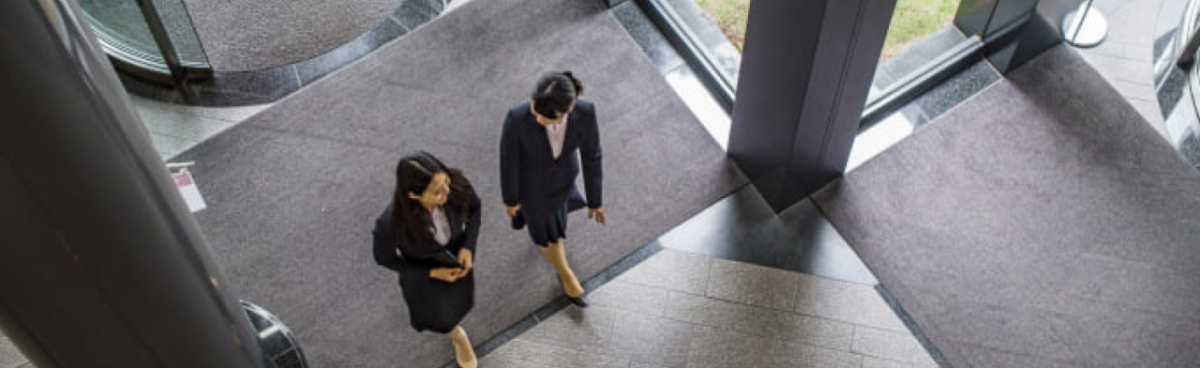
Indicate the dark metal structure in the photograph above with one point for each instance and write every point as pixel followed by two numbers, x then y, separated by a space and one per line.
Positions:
pixel 101 264
pixel 806 70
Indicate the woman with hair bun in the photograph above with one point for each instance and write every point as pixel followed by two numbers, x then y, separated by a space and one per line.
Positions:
pixel 542 146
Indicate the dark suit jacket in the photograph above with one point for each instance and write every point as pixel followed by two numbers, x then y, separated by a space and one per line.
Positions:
pixel 391 252
pixel 432 304
pixel 531 177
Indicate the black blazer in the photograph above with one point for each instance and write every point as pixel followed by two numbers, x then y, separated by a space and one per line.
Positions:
pixel 391 252
pixel 531 177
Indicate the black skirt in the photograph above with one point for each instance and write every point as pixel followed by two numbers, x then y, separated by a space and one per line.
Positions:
pixel 548 228
pixel 436 305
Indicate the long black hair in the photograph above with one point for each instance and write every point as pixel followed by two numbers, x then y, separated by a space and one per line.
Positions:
pixel 555 93
pixel 413 222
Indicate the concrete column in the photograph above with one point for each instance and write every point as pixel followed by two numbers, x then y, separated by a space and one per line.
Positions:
pixel 101 264
pixel 806 70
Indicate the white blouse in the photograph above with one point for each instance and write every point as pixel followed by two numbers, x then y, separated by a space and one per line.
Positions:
pixel 441 226
pixel 557 133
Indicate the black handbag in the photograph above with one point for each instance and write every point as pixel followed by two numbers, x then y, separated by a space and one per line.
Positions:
pixel 440 259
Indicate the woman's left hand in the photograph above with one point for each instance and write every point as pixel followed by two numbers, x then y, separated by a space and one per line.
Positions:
pixel 597 214
pixel 464 257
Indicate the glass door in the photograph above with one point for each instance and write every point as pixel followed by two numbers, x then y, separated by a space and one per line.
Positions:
pixel 154 39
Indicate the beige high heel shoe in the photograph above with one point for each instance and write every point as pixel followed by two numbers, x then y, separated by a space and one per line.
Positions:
pixel 464 354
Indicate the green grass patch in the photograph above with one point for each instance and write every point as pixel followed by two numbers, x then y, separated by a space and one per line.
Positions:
pixel 913 20
pixel 730 16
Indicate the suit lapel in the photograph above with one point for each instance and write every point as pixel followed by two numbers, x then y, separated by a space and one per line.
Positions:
pixel 571 140
pixel 455 223
pixel 538 133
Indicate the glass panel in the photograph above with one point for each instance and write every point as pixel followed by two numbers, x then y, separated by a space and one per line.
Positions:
pixel 182 33
pixel 730 16
pixel 1178 89
pixel 125 33
pixel 719 29
pixel 122 29
pixel 1176 22
pixel 921 31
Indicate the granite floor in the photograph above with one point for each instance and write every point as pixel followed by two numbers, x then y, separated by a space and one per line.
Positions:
pixel 678 309
pixel 1125 57
pixel 175 128
pixel 685 310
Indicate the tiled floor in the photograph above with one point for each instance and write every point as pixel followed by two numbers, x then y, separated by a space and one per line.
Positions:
pixel 176 128
pixel 685 310
pixel 742 227
pixel 1125 58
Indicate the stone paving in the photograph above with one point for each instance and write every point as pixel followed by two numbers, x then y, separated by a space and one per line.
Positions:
pixel 683 310
pixel 1126 56
pixel 176 128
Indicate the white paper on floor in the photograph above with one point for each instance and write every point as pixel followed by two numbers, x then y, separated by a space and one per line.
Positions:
pixel 187 188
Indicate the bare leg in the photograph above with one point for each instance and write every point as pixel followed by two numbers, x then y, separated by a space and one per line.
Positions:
pixel 557 256
pixel 463 352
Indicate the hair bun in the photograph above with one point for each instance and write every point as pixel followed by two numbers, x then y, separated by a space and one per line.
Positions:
pixel 574 82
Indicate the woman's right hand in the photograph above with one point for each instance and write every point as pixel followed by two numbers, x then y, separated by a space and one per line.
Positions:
pixel 446 274
pixel 512 210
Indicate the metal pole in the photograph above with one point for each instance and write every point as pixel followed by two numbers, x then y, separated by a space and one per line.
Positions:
pixel 163 40
pixel 1085 22
pixel 1087 8
pixel 101 265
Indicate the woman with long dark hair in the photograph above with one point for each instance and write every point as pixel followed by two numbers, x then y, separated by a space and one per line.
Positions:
pixel 541 148
pixel 428 236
